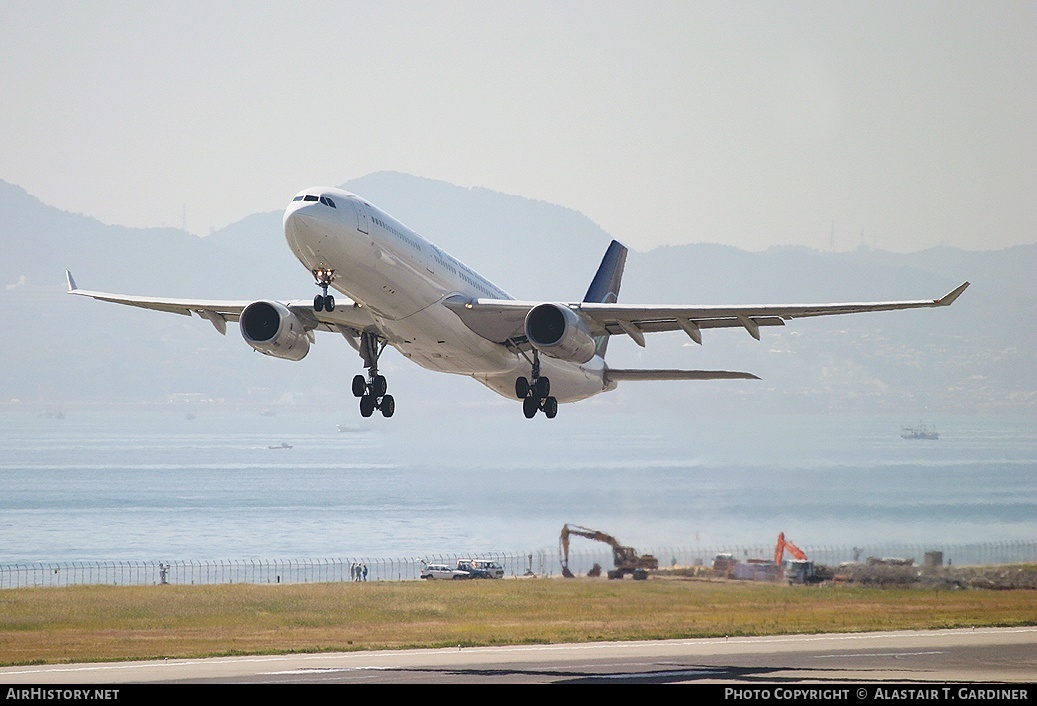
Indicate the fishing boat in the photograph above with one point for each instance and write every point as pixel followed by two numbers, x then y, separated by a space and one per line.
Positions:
pixel 920 432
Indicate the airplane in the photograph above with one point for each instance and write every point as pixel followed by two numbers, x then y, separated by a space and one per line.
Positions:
pixel 407 293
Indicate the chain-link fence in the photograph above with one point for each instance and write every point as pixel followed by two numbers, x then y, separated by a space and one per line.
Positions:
pixel 538 563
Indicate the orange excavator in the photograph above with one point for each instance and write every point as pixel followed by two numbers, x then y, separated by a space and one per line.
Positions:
pixel 798 571
pixel 625 559
pixel 783 544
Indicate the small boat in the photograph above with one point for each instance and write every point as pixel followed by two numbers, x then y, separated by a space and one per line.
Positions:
pixel 281 446
pixel 919 432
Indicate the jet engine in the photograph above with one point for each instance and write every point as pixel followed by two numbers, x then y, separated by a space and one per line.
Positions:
pixel 558 331
pixel 272 329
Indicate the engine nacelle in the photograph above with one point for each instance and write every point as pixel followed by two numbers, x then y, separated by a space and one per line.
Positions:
pixel 558 331
pixel 272 329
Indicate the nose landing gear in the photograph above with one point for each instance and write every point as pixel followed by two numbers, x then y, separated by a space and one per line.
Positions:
pixel 324 300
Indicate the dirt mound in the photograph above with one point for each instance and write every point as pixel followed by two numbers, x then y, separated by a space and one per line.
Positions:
pixel 1004 577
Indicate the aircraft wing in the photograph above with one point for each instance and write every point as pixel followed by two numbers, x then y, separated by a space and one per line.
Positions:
pixel 504 320
pixel 348 318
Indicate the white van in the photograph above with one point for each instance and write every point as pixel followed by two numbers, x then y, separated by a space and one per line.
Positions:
pixel 481 568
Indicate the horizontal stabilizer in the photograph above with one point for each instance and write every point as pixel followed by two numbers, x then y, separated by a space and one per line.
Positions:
pixel 618 374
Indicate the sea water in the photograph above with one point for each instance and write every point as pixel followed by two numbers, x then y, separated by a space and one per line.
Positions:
pixel 197 482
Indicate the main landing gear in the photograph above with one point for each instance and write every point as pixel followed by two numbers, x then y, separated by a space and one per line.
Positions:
pixel 324 300
pixel 371 390
pixel 536 394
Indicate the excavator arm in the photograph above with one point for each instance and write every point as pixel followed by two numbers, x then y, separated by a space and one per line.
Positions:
pixel 622 557
pixel 783 544
pixel 563 543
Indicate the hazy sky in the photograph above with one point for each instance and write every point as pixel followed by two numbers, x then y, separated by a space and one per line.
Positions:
pixel 906 124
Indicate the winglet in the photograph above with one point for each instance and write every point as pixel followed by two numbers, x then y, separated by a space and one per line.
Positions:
pixel 948 299
pixel 71 282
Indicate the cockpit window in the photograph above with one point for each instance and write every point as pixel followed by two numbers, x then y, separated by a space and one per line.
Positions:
pixel 326 200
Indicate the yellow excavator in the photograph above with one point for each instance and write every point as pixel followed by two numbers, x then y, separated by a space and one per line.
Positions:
pixel 625 559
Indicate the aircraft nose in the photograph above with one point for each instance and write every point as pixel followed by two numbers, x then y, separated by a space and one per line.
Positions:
pixel 299 213
pixel 293 223
pixel 303 219
pixel 303 230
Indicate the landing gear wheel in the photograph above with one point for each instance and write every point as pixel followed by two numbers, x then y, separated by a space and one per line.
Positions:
pixel 530 406
pixel 372 387
pixel 550 407
pixel 542 386
pixel 367 404
pixel 323 278
pixel 521 388
pixel 535 392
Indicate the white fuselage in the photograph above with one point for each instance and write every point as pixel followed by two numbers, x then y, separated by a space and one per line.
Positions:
pixel 402 280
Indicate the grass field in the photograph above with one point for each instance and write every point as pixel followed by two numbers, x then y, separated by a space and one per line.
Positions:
pixel 101 623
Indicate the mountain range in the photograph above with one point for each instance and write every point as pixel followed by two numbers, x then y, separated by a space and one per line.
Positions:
pixel 976 356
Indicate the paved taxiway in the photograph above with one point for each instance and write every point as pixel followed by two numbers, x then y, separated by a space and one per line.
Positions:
pixel 983 655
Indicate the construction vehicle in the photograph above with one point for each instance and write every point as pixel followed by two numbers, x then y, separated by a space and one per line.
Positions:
pixel 783 544
pixel 724 565
pixel 625 559
pixel 799 569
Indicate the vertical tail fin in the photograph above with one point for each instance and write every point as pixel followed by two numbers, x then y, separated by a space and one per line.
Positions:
pixel 605 285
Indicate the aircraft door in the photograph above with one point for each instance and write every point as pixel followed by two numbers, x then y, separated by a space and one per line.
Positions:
pixel 362 219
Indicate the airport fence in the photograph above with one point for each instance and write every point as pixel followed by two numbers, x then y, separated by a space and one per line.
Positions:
pixel 516 564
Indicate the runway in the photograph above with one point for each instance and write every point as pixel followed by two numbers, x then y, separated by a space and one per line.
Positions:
pixel 980 656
